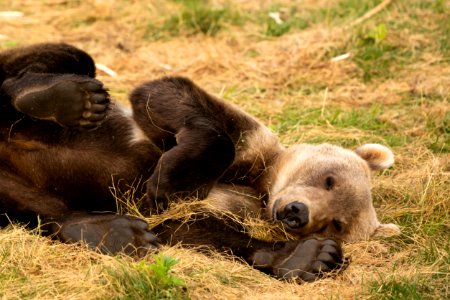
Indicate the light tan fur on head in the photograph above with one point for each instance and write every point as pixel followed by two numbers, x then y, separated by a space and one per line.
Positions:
pixel 334 184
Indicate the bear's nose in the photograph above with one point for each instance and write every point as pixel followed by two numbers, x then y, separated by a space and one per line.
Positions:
pixel 295 215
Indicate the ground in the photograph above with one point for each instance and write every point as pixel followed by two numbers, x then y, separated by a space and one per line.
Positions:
pixel 343 71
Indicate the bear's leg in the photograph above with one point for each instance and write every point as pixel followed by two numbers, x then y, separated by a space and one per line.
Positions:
pixel 69 100
pixel 307 259
pixel 54 82
pixel 110 233
pixel 175 114
pixel 50 58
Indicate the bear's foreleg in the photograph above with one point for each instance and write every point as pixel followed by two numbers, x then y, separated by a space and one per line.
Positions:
pixel 304 260
pixel 178 117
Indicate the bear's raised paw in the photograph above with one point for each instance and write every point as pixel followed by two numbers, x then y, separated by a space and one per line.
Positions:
pixel 71 101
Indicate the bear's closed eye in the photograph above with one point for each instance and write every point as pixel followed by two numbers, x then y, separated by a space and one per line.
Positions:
pixel 329 183
pixel 337 225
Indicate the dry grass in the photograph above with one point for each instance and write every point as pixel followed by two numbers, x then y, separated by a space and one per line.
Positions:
pixel 393 89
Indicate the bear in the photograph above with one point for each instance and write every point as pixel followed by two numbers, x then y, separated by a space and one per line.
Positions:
pixel 312 189
pixel 64 143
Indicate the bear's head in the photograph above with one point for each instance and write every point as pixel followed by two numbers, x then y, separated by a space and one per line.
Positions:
pixel 324 190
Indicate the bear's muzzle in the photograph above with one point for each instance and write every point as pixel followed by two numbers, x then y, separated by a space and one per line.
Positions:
pixel 295 215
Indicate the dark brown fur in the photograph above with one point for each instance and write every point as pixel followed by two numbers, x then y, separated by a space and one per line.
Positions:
pixel 62 146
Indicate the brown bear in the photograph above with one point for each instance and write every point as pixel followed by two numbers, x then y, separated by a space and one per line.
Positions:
pixel 315 190
pixel 63 144
pixel 312 189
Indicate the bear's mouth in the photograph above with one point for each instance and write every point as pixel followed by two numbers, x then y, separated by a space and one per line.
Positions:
pixel 274 210
pixel 321 229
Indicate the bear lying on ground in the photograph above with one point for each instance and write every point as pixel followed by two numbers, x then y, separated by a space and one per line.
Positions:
pixel 63 144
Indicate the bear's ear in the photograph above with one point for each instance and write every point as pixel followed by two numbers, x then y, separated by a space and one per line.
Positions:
pixel 377 156
pixel 386 230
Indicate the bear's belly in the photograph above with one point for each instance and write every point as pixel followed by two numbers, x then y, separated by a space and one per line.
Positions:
pixel 82 177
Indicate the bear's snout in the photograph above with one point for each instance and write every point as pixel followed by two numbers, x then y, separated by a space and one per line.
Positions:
pixel 295 215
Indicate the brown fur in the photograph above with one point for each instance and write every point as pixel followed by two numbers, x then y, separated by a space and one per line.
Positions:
pixel 62 146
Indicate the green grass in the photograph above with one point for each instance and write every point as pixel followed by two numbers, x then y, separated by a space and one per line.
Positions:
pixel 194 17
pixel 297 18
pixel 351 9
pixel 403 288
pixel 375 44
pixel 368 120
pixel 436 123
pixel 10 44
pixel 439 133
pixel 201 17
pixel 433 252
pixel 142 280
pixel 374 54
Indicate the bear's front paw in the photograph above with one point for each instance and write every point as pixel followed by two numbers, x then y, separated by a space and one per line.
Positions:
pixel 306 260
pixel 71 101
pixel 109 233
